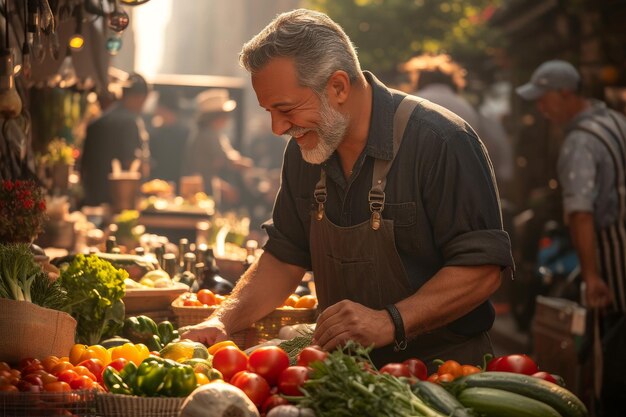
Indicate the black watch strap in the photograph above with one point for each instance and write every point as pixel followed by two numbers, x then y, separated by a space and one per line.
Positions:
pixel 399 335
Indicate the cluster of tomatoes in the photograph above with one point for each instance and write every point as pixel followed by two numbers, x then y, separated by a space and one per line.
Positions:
pixel 449 370
pixel 52 374
pixel 266 373
pixel 203 298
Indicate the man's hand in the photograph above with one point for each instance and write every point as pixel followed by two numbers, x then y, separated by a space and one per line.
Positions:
pixel 208 332
pixel 597 293
pixel 348 320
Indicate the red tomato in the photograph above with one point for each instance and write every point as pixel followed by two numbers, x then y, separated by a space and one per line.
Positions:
pixel 450 367
pixel 25 362
pixel 545 376
pixel 33 379
pixel 25 386
pixel 254 385
pixel 272 401
pixel 269 362
pixel 310 354
pixel 206 297
pixel 8 388
pixel 118 364
pixel 229 360
pixel 68 376
pixel 32 368
pixel 81 370
pixel 95 366
pixel 417 368
pixel 396 369
pixel 291 379
pixel 82 382
pixel 518 363
pixel 58 386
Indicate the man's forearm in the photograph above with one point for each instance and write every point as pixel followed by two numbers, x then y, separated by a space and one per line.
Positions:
pixel 450 294
pixel 265 286
pixel 583 232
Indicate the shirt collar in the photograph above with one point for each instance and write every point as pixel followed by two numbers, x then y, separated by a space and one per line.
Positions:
pixel 380 136
pixel 596 107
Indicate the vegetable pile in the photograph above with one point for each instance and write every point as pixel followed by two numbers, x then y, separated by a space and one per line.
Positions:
pixel 95 290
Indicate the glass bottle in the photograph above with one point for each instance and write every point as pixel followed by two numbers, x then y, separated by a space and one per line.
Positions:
pixel 169 264
pixel 110 244
pixel 159 252
pixel 186 275
pixel 183 248
pixel 210 278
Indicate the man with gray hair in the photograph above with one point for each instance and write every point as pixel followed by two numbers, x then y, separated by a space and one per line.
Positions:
pixel 388 200
pixel 591 169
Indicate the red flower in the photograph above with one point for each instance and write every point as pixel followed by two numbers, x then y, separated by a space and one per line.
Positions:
pixel 7 185
pixel 42 205
pixel 28 204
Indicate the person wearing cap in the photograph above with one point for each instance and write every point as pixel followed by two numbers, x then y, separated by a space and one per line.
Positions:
pixel 389 200
pixel 119 133
pixel 591 170
pixel 210 153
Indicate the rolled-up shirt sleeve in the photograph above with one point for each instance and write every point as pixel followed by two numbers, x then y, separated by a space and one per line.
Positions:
pixel 462 201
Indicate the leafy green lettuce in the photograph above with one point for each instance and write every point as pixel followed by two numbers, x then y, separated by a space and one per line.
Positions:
pixel 95 290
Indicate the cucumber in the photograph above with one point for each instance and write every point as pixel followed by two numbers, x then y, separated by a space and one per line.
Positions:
pixel 441 400
pixel 559 398
pixel 491 402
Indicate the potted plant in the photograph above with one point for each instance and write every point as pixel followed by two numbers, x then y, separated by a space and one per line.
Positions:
pixel 22 210
pixel 58 160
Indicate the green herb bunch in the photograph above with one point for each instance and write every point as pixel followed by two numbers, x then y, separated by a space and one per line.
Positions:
pixel 22 279
pixel 95 289
pixel 347 384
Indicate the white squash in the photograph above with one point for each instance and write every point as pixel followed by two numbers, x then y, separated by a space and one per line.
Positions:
pixel 218 399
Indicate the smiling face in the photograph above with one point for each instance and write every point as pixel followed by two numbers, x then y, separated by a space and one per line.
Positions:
pixel 298 111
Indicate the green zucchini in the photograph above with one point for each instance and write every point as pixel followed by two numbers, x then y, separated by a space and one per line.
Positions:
pixel 491 402
pixel 559 398
pixel 437 397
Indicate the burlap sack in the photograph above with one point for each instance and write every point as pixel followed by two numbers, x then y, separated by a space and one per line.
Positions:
pixel 28 330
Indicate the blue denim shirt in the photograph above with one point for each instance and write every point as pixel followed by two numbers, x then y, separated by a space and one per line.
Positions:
pixel 441 195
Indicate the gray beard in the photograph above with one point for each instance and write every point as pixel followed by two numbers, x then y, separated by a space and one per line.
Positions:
pixel 331 130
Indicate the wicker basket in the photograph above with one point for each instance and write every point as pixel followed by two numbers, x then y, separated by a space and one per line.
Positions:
pixel 34 404
pixel 117 405
pixel 261 331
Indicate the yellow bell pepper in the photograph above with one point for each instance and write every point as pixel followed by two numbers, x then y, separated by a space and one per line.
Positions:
pixel 133 353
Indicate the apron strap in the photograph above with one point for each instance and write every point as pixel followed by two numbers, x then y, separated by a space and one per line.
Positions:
pixel 376 197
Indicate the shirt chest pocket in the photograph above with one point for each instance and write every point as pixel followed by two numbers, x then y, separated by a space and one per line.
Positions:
pixel 404 215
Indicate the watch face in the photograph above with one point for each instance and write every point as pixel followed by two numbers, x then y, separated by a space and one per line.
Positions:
pixel 133 2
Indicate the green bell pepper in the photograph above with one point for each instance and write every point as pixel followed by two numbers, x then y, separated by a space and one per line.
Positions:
pixel 114 383
pixel 179 382
pixel 140 329
pixel 167 332
pixel 150 376
pixel 129 375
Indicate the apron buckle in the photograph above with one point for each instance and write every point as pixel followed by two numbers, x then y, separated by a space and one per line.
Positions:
pixel 375 221
pixel 320 211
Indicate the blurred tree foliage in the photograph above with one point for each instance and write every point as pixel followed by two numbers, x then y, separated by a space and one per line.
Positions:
pixel 388 32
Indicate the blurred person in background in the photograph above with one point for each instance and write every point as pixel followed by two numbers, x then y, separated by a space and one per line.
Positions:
pixel 119 133
pixel 168 135
pixel 210 153
pixel 407 268
pixel 438 78
pixel 591 169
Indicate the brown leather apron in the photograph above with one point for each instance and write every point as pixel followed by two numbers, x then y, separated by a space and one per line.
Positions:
pixel 360 263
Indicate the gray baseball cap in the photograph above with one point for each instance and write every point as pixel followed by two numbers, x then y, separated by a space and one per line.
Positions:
pixel 551 75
